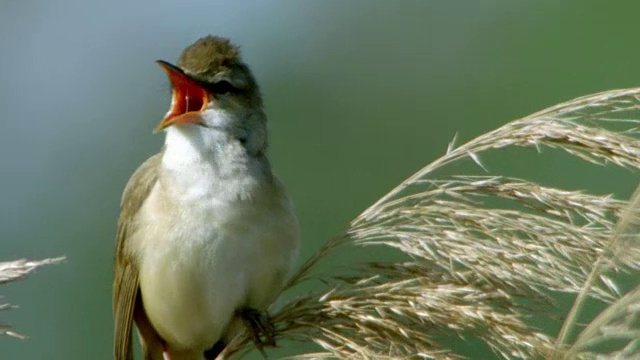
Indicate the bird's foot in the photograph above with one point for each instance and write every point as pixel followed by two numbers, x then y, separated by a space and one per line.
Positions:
pixel 260 326
pixel 215 350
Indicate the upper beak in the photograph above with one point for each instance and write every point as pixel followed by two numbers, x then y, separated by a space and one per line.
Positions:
pixel 188 98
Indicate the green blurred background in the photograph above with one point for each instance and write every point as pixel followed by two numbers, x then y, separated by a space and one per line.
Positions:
pixel 360 94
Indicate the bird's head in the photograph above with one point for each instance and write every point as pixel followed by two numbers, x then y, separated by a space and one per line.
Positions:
pixel 214 94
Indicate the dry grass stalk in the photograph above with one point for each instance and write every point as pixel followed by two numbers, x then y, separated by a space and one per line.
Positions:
pixel 620 322
pixel 14 271
pixel 476 270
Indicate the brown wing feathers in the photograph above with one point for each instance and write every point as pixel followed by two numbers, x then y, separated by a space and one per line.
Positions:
pixel 125 283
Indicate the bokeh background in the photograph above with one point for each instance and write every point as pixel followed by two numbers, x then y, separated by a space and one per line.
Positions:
pixel 360 94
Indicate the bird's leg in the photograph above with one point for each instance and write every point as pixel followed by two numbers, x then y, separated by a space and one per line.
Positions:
pixel 215 350
pixel 260 326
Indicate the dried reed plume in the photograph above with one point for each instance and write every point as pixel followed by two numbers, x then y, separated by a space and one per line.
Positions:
pixel 14 271
pixel 481 255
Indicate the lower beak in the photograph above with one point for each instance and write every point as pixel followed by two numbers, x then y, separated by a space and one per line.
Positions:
pixel 188 98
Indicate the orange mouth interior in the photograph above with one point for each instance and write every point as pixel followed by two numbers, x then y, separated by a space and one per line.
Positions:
pixel 187 96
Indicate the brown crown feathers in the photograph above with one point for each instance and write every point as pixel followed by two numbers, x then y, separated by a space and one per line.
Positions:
pixel 209 55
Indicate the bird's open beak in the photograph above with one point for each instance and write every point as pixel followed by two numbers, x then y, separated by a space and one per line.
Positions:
pixel 188 99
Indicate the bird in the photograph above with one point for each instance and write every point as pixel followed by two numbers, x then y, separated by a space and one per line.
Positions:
pixel 207 233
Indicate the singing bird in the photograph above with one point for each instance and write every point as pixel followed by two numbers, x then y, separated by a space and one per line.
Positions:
pixel 206 230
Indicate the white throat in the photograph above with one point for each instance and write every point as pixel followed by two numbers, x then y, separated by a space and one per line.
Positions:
pixel 183 146
pixel 200 162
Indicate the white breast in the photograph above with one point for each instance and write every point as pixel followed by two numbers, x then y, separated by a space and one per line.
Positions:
pixel 207 254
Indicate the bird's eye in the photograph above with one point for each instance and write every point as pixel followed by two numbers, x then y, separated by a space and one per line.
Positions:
pixel 222 87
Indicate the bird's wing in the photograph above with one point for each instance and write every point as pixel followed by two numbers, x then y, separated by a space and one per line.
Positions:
pixel 125 281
